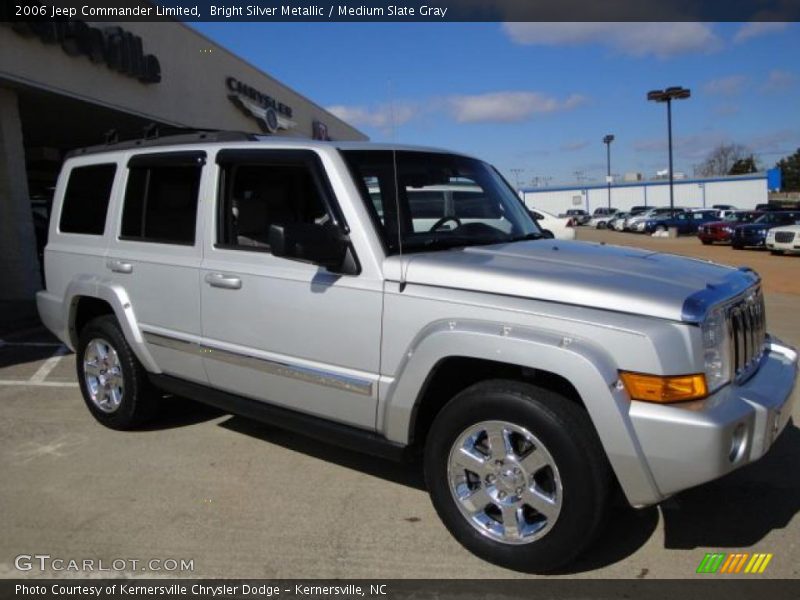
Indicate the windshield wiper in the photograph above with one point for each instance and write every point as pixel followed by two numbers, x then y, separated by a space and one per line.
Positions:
pixel 528 236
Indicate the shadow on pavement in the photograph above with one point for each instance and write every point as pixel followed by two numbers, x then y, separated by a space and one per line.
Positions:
pixel 175 412
pixel 408 474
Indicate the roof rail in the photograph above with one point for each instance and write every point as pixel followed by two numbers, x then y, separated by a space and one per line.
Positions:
pixel 154 135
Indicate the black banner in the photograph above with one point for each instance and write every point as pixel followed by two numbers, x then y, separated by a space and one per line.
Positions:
pixel 402 10
pixel 703 588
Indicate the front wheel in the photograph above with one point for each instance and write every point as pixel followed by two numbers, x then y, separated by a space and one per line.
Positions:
pixel 517 474
pixel 706 242
pixel 776 252
pixel 114 384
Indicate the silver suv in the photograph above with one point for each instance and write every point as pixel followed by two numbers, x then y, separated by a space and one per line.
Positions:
pixel 317 286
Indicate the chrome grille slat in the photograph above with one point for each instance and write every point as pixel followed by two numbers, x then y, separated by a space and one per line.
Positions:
pixel 784 237
pixel 746 325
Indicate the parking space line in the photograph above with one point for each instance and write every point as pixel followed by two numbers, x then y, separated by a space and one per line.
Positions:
pixel 27 382
pixel 50 364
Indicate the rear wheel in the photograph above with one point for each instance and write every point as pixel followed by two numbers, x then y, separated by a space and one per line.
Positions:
pixel 706 242
pixel 601 225
pixel 517 474
pixel 736 246
pixel 114 384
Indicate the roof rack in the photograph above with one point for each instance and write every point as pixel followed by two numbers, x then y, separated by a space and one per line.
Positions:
pixel 154 135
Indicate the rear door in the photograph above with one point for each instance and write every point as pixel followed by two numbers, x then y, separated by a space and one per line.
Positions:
pixel 156 252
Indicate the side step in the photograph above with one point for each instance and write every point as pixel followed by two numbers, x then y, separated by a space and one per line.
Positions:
pixel 324 430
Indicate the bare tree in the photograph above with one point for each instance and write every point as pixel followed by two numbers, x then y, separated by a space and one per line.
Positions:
pixel 721 159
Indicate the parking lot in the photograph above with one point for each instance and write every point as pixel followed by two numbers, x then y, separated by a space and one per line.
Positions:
pixel 241 499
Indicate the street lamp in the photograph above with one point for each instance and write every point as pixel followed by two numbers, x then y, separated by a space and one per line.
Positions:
pixel 607 141
pixel 668 95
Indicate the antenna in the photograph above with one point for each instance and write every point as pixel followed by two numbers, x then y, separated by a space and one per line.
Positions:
pixel 396 186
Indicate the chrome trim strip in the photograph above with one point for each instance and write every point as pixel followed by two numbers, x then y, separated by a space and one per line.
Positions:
pixel 347 383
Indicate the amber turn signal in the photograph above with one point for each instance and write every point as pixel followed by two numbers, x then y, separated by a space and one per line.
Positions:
pixel 657 388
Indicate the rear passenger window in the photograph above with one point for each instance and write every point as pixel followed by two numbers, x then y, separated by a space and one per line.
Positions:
pixel 161 200
pixel 86 199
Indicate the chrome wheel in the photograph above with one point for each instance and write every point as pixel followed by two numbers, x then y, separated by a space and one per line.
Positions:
pixel 102 373
pixel 505 482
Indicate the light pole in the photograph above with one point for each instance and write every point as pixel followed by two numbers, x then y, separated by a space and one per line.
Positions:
pixel 668 95
pixel 607 141
pixel 517 173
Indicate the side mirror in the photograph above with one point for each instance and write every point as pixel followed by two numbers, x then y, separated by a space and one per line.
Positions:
pixel 325 245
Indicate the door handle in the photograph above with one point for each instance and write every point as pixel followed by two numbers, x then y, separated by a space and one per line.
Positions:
pixel 220 280
pixel 120 266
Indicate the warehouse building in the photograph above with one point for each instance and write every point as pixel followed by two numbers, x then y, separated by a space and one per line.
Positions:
pixel 741 191
pixel 72 84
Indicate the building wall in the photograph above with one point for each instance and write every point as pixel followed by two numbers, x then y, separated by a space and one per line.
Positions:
pixel 192 91
pixel 737 191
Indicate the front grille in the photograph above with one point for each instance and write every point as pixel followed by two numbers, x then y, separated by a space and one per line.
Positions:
pixel 747 331
pixel 784 237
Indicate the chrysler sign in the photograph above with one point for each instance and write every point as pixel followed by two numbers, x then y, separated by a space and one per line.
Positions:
pixel 270 114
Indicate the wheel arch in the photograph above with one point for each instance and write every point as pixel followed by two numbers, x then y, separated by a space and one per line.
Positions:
pixel 580 369
pixel 90 299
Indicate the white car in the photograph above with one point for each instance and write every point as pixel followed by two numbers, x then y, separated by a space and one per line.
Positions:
pixel 784 239
pixel 562 228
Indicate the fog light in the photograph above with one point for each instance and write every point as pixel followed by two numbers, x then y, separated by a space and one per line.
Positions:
pixel 738 443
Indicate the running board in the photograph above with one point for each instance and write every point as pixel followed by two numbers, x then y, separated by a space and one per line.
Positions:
pixel 318 428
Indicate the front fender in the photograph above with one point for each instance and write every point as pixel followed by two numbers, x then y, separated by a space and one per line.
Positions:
pixel 116 296
pixel 582 362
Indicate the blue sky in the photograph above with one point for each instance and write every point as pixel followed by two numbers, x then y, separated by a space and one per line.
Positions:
pixel 541 96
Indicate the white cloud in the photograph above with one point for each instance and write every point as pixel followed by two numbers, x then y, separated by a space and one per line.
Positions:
pixel 725 86
pixel 383 116
pixel 778 80
pixel 507 107
pixel 757 29
pixel 637 39
pixel 574 146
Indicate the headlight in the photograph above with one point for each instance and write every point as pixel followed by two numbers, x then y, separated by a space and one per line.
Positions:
pixel 770 234
pixel 716 350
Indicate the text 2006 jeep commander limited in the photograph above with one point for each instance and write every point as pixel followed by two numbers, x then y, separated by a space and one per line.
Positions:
pixel 393 299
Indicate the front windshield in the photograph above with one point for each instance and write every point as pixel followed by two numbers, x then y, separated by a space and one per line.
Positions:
pixel 438 201
pixel 768 218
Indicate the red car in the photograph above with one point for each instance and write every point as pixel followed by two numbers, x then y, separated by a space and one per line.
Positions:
pixel 720 231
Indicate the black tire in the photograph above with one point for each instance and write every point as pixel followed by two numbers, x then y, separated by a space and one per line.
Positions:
pixel 601 225
pixel 138 399
pixel 776 252
pixel 737 246
pixel 706 242
pixel 567 435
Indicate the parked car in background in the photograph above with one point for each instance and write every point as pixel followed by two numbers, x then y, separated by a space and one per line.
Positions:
pixel 723 206
pixel 720 231
pixel 632 222
pixel 685 222
pixel 562 228
pixel 617 221
pixel 601 216
pixel 579 216
pixel 637 224
pixel 783 239
pixel 706 214
pixel 754 234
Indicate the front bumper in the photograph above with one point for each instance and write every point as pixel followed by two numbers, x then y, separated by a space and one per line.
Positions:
pixel 714 235
pixel 692 443
pixel 793 246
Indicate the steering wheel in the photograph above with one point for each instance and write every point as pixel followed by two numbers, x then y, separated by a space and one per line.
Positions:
pixel 444 220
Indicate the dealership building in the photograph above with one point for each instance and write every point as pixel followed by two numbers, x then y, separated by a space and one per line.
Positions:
pixel 741 191
pixel 73 84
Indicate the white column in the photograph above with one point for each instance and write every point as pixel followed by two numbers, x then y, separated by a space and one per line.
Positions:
pixel 19 266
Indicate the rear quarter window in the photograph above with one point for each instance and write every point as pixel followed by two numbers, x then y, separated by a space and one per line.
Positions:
pixel 86 199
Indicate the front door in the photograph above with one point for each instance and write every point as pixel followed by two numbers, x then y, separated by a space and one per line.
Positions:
pixel 278 330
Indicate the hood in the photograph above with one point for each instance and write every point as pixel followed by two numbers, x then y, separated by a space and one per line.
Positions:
pixel 594 275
